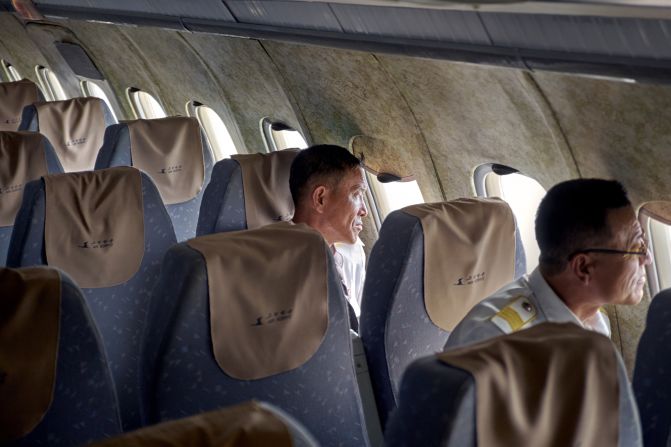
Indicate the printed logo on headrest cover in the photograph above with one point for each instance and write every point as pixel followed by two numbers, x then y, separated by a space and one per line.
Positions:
pixel 470 279
pixel 171 169
pixel 273 317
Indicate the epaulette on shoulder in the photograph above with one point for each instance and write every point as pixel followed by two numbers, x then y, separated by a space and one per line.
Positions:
pixel 515 315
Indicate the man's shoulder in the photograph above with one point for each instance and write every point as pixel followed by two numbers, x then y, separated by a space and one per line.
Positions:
pixel 508 310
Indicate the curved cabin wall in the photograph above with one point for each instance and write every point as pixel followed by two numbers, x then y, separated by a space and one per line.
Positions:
pixel 446 117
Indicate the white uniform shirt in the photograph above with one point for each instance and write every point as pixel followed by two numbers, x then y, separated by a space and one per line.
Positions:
pixel 519 305
pixel 350 260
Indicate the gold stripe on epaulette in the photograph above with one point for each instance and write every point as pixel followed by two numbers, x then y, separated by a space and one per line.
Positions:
pixel 512 318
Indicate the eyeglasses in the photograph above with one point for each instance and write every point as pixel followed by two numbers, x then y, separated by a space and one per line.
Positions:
pixel 642 250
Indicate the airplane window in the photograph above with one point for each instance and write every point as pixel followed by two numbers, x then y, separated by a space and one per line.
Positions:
pixel 215 129
pixel 522 193
pixel 11 73
pixel 90 88
pixel 144 105
pixel 658 229
pixel 277 136
pixel 392 196
pixel 50 84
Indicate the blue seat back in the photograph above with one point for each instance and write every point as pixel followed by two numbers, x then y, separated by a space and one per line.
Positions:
pixel 53 167
pixel 181 376
pixel 223 206
pixel 119 311
pixel 437 406
pixel 653 372
pixel 84 406
pixel 395 327
pixel 116 151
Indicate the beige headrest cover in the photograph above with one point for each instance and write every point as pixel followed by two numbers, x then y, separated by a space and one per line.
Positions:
pixel 170 150
pixel 469 253
pixel 659 210
pixel 94 225
pixel 551 385
pixel 29 320
pixel 21 160
pixel 14 96
pixel 265 181
pixel 76 128
pixel 268 297
pixel 382 156
pixel 245 425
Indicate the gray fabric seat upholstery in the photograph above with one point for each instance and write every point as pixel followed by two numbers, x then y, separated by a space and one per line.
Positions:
pixel 437 407
pixel 223 206
pixel 53 167
pixel 653 372
pixel 119 311
pixel 180 376
pixel 395 327
pixel 84 406
pixel 116 151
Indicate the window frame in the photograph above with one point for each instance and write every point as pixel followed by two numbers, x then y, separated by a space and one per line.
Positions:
pixel 483 181
pixel 51 86
pixel 266 126
pixel 138 109
pixel 11 74
pixel 193 108
pixel 658 232
pixel 86 91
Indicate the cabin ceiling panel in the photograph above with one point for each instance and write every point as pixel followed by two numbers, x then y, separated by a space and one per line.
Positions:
pixel 412 23
pixel 616 130
pixel 17 48
pixel 252 85
pixel 173 63
pixel 470 115
pixel 342 94
pixel 118 59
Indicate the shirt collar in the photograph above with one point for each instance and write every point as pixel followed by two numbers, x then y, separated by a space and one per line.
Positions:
pixel 549 303
pixel 554 309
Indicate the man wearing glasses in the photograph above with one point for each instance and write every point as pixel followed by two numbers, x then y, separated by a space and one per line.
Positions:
pixel 593 252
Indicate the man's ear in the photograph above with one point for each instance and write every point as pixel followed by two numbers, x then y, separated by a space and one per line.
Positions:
pixel 582 267
pixel 319 198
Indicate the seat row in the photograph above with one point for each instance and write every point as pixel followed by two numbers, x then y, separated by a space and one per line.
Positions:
pixel 81 134
pixel 403 317
pixel 519 389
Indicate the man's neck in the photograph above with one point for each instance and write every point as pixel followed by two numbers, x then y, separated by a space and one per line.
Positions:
pixel 572 296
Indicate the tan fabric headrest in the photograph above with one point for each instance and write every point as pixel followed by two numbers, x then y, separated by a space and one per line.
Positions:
pixel 469 253
pixel 21 160
pixel 551 385
pixel 382 156
pixel 94 225
pixel 14 96
pixel 659 210
pixel 245 425
pixel 265 181
pixel 170 150
pixel 76 128
pixel 29 321
pixel 268 297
